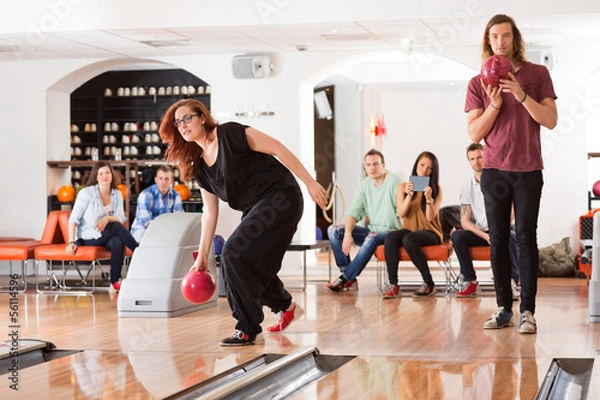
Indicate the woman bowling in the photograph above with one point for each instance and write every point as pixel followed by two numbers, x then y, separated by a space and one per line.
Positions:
pixel 237 164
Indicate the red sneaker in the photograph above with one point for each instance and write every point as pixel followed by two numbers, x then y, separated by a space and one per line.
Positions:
pixel 342 285
pixel 115 287
pixel 338 285
pixel 351 285
pixel 393 293
pixel 470 290
pixel 284 318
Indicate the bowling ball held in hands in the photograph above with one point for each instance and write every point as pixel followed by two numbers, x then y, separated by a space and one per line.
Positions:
pixel 494 68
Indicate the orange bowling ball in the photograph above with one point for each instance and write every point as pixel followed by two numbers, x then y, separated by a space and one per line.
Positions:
pixel 66 194
pixel 123 189
pixel 183 191
pixel 198 287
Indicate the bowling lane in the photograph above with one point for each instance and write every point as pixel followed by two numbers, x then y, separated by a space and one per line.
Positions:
pixel 155 375
pixel 116 375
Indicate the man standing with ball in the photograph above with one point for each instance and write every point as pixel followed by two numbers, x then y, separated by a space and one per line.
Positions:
pixel 508 118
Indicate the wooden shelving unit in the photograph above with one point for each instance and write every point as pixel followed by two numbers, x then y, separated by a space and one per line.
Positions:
pixel 115 117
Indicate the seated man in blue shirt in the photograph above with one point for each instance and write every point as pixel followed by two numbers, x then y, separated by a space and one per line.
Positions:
pixel 155 200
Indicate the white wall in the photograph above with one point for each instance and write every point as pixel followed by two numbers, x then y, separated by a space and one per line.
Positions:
pixel 432 121
pixel 349 147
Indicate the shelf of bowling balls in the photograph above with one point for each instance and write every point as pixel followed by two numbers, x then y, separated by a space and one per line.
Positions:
pixel 148 157
pixel 84 144
pixel 161 97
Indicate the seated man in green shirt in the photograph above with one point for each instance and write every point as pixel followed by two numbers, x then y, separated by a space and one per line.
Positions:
pixel 376 200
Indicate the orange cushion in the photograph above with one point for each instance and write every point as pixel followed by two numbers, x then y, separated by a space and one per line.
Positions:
pixel 56 252
pixel 5 239
pixel 440 252
pixel 481 253
pixel 22 250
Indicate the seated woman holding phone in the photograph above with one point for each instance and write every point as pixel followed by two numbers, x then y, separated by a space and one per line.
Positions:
pixel 418 205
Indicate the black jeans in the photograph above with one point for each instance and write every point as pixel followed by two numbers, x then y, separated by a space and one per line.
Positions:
pixel 412 242
pixel 463 239
pixel 501 190
pixel 252 257
pixel 115 237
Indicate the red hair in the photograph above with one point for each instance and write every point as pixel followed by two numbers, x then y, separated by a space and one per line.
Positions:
pixel 184 155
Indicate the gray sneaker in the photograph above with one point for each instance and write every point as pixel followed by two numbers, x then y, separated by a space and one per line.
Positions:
pixel 528 324
pixel 425 291
pixel 500 319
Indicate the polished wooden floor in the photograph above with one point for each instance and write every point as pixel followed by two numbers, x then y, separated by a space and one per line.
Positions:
pixel 406 348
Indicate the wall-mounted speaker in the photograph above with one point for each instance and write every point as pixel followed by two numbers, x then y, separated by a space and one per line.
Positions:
pixel 251 66
pixel 542 56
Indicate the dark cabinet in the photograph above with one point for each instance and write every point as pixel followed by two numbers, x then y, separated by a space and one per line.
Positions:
pixel 115 116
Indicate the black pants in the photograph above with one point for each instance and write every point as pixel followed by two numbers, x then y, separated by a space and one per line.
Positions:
pixel 252 257
pixel 114 237
pixel 412 242
pixel 502 189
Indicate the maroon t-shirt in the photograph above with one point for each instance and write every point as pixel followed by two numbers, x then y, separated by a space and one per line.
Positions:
pixel 514 143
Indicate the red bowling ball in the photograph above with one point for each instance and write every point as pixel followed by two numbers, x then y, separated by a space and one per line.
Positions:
pixel 596 189
pixel 496 67
pixel 198 287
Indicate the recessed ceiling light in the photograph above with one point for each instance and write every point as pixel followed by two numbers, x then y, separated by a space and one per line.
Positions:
pixel 166 43
pixel 9 48
pixel 350 37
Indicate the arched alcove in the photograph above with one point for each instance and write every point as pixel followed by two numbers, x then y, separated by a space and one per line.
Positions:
pixel 370 82
pixel 90 104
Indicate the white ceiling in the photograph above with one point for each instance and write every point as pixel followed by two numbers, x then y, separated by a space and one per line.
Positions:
pixel 381 35
pixel 423 36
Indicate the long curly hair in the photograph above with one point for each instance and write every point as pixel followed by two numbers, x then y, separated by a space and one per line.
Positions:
pixel 434 178
pixel 518 43
pixel 184 155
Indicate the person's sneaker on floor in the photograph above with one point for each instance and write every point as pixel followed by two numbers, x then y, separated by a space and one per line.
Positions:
pixel 471 289
pixel 284 318
pixel 513 288
pixel 528 324
pixel 239 338
pixel 114 287
pixel 425 291
pixel 338 285
pixel 393 293
pixel 351 285
pixel 499 319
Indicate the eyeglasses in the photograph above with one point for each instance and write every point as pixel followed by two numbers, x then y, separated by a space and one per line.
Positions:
pixel 186 119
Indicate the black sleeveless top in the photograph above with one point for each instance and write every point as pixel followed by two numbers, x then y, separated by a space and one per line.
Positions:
pixel 241 176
